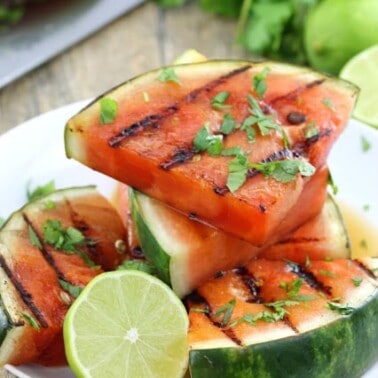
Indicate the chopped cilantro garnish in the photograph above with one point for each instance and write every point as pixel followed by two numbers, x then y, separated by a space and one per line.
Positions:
pixel 140 265
pixel 366 207
pixel 342 309
pixel 247 126
pixel 292 289
pixel 328 103
pixel 50 204
pixel 265 123
pixel 33 237
pixel 108 110
pixel 307 262
pixel 232 151
pixel 327 273
pixel 284 170
pixel 205 141
pixel 228 124
pixel 310 130
pixel 363 243
pixel 68 240
pixel 72 289
pixel 169 74
pixel 365 144
pixel 39 191
pixel 226 310
pixel 218 101
pixel 281 170
pixel 332 184
pixel 237 172
pixel 30 319
pixel 259 83
pixel 357 281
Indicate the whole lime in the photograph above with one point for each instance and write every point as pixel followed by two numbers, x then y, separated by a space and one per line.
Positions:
pixel 336 30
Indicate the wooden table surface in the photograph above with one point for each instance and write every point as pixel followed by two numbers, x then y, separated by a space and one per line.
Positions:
pixel 145 38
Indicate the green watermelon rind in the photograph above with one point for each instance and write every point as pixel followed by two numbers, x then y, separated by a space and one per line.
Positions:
pixel 345 348
pixel 151 247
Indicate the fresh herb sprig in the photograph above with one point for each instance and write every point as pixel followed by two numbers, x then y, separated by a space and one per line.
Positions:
pixel 69 240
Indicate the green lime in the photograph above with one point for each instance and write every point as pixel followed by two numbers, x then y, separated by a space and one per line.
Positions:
pixel 126 324
pixel 336 30
pixel 362 70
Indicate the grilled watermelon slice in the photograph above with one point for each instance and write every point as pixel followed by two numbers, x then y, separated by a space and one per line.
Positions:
pixel 149 143
pixel 282 319
pixel 187 253
pixel 38 279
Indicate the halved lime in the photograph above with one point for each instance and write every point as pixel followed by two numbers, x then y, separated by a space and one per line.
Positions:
pixel 126 324
pixel 362 70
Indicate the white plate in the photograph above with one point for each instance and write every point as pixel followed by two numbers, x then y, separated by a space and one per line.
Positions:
pixel 34 151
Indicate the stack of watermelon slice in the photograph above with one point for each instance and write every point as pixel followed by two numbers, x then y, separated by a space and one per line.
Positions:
pixel 226 162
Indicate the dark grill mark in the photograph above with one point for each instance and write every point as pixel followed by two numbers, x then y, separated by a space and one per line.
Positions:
pixel 298 240
pixel 251 283
pixel 192 216
pixel 26 297
pixel 296 118
pixel 221 191
pixel 92 247
pixel 192 96
pixel 153 120
pixel 365 269
pixel 275 156
pixel 297 91
pixel 301 148
pixel 309 278
pixel 44 251
pixel 179 157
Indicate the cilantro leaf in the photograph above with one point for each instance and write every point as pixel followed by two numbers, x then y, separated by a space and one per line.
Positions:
pixel 342 309
pixel 332 184
pixel 228 125
pixel 365 144
pixel 284 170
pixel 72 289
pixel 357 281
pixel 259 83
pixel 218 101
pixel 328 103
pixel 169 74
pixel 33 237
pixel 237 172
pixel 143 266
pixel 39 191
pixel 67 240
pixel 200 142
pixel 30 319
pixel 226 310
pixel 205 141
pixel 311 130
pixel 108 110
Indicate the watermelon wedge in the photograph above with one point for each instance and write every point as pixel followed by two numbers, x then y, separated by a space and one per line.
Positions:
pixel 176 244
pixel 49 250
pixel 172 134
pixel 282 319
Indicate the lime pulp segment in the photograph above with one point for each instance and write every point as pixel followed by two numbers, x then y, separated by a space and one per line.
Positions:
pixel 127 324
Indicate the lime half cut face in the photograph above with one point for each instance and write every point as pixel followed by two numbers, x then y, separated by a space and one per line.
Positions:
pixel 127 324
